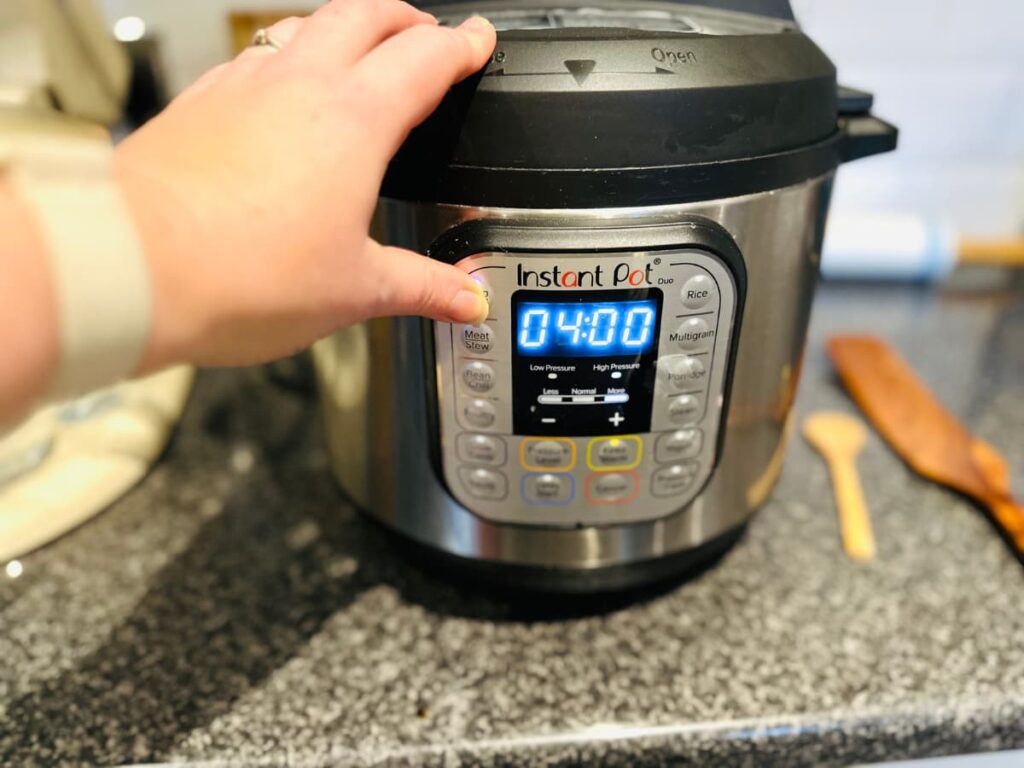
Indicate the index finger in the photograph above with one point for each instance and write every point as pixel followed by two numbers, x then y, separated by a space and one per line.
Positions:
pixel 407 75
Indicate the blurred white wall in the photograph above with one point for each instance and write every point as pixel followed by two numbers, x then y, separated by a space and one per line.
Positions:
pixel 949 73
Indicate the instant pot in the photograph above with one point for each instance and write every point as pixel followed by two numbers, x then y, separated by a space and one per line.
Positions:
pixel 641 189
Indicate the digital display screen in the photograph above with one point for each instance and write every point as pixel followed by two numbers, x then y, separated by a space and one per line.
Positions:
pixel 586 328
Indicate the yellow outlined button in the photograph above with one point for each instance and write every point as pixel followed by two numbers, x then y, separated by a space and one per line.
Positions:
pixel 547 454
pixel 621 452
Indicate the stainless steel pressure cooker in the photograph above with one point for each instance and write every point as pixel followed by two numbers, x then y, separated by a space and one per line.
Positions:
pixel 641 189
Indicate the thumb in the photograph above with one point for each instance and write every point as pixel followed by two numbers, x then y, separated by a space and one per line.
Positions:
pixel 413 284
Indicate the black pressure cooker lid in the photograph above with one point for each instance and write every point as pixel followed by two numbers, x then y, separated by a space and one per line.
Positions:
pixel 625 104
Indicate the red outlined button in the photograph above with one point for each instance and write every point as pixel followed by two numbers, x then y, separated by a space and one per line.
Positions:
pixel 619 487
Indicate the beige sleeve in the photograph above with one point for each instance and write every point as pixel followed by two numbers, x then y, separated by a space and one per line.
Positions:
pixel 98 267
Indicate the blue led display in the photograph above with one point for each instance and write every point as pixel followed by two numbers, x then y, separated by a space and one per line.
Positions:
pixel 584 329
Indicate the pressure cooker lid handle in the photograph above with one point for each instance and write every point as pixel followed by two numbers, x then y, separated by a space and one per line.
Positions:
pixel 862 134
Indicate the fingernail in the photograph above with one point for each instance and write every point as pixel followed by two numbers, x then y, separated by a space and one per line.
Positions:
pixel 479 29
pixel 469 305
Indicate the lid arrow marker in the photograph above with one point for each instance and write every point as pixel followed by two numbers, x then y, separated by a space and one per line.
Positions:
pixel 580 69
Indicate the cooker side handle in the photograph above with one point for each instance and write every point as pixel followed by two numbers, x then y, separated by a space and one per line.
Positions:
pixel 861 133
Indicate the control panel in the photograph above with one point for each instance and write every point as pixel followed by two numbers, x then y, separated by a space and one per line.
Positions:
pixel 593 393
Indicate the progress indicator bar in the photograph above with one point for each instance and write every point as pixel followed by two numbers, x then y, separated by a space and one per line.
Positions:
pixel 582 399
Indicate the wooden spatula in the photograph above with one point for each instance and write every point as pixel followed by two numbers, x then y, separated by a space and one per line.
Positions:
pixel 924 433
pixel 840 438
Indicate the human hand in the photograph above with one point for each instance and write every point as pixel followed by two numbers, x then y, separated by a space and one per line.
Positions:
pixel 253 191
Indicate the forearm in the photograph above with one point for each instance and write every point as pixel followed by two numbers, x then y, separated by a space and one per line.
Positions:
pixel 28 312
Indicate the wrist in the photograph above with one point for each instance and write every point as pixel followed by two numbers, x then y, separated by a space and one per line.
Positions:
pixel 163 225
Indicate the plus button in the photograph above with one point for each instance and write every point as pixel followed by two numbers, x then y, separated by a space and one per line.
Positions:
pixel 617 419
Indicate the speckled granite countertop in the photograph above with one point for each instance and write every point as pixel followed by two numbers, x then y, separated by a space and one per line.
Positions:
pixel 234 609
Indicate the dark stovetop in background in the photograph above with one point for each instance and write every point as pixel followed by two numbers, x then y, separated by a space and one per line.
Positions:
pixel 234 607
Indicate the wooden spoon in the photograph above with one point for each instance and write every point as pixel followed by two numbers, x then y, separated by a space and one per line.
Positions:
pixel 840 437
pixel 923 432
